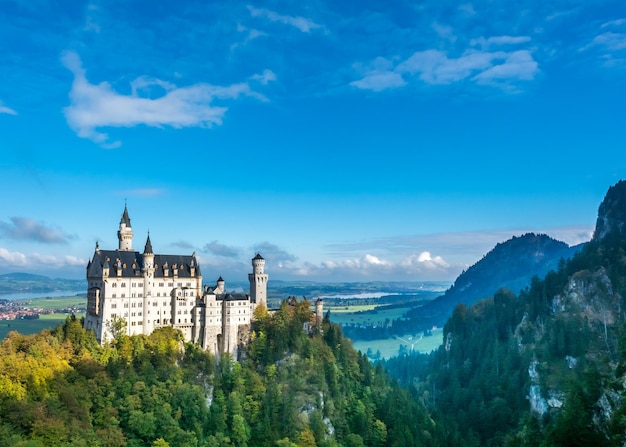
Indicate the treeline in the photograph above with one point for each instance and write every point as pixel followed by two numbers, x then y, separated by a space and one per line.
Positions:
pixel 542 368
pixel 291 387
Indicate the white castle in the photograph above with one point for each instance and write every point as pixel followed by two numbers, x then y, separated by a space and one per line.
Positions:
pixel 150 291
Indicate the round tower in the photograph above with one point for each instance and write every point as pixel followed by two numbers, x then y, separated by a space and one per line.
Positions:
pixel 258 281
pixel 319 313
pixel 220 285
pixel 125 232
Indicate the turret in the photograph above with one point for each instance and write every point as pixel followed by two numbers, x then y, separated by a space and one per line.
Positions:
pixel 148 258
pixel 221 288
pixel 125 233
pixel 258 281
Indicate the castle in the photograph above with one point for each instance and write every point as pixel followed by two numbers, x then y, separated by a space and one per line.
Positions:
pixel 149 291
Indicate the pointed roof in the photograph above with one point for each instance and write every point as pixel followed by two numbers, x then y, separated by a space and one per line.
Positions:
pixel 258 256
pixel 148 248
pixel 125 219
pixel 220 279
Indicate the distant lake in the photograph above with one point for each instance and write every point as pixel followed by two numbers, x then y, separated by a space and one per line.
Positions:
pixel 31 295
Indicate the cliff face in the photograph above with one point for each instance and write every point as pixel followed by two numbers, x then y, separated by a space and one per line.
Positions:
pixel 612 213
pixel 546 366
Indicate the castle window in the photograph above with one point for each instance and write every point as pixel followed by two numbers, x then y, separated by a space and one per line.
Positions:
pixel 126 305
pixel 141 295
pixel 133 323
pixel 113 315
pixel 114 296
pixel 140 323
pixel 140 304
pixel 123 284
pixel 114 306
pixel 123 295
pixel 114 284
pixel 140 314
pixel 160 284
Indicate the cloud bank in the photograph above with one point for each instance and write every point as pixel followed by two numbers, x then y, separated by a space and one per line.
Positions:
pixel 23 228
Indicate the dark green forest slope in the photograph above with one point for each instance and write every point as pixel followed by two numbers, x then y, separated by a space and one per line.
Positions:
pixel 292 388
pixel 510 264
pixel 546 367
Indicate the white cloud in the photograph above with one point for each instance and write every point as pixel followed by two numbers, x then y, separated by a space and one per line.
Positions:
pixel 12 258
pixel 38 261
pixel 611 41
pixel 518 65
pixel 265 77
pixel 435 67
pixel 303 24
pixel 618 22
pixel 369 267
pixel 7 110
pixel 23 228
pixel 379 81
pixel 96 106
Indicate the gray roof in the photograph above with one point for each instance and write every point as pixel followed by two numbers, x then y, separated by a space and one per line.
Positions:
pixel 148 248
pixel 125 219
pixel 131 263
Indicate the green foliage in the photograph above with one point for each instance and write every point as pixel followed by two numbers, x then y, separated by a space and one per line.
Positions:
pixel 291 387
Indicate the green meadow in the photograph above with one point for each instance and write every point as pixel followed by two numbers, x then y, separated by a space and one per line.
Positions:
pixel 45 321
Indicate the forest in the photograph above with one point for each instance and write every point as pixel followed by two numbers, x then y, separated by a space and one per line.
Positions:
pixel 291 388
pixel 545 367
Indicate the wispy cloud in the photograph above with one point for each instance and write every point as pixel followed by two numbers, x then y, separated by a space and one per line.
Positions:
pixel 435 67
pixel 7 110
pixel 480 64
pixel 217 249
pixel 36 261
pixel 23 228
pixel 95 106
pixel 368 267
pixel 303 24
pixel 274 254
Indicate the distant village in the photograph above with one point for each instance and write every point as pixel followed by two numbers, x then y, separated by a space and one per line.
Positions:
pixel 22 310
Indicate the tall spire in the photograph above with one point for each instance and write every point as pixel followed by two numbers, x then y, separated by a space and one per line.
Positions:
pixel 125 219
pixel 148 249
pixel 125 232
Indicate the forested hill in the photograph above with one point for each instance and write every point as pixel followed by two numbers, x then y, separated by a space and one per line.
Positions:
pixel 509 264
pixel 26 282
pixel 292 388
pixel 546 367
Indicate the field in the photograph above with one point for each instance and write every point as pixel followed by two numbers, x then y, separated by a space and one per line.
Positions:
pixel 390 347
pixel 365 314
pixel 65 306
pixel 26 327
pixel 68 302
pixel 372 314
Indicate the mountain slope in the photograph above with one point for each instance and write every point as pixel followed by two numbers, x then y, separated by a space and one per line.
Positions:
pixel 547 367
pixel 509 264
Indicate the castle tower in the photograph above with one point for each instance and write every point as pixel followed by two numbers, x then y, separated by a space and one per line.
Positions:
pixel 125 233
pixel 258 281
pixel 319 313
pixel 148 275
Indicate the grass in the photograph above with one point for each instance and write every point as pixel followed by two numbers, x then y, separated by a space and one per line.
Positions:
pixel 26 327
pixel 56 303
pixel 365 314
pixel 390 347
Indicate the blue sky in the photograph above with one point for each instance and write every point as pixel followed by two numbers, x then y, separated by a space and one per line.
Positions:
pixel 343 141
